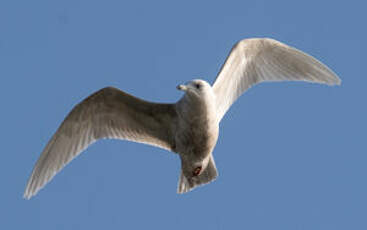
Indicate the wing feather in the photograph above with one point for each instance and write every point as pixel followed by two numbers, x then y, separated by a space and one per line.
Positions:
pixel 108 113
pixel 256 60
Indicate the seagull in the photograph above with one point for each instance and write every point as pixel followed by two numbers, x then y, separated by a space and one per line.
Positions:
pixel 189 127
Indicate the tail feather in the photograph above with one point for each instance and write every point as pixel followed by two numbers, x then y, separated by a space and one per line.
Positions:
pixel 207 176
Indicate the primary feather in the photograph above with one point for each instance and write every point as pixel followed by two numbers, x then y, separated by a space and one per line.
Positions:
pixel 108 113
pixel 256 60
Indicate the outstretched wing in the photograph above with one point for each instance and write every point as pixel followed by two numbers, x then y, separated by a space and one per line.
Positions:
pixel 108 113
pixel 252 61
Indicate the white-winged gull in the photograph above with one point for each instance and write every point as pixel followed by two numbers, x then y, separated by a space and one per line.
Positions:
pixel 189 127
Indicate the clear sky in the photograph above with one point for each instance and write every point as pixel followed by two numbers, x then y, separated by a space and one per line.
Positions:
pixel 289 156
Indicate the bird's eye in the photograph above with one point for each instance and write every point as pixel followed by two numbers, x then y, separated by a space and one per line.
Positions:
pixel 198 86
pixel 197 171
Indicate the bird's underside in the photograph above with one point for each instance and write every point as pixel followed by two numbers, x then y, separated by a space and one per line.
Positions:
pixel 111 113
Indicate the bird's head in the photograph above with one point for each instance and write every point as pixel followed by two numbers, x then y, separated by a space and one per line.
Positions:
pixel 197 88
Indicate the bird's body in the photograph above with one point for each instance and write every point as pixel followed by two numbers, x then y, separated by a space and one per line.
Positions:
pixel 189 127
pixel 196 134
pixel 197 124
pixel 197 131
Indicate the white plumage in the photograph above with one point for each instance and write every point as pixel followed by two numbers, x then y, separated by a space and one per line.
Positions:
pixel 189 127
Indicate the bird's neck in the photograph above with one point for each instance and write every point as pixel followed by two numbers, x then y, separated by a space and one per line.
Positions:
pixel 195 109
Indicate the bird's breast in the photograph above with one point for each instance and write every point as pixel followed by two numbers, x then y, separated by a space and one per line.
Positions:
pixel 198 136
pixel 197 126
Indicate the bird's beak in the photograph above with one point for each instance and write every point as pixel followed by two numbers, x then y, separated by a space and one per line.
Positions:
pixel 182 87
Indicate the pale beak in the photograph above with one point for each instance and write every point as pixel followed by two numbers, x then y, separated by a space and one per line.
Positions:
pixel 182 87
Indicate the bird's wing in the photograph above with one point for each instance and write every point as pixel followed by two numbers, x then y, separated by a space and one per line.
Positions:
pixel 252 61
pixel 108 113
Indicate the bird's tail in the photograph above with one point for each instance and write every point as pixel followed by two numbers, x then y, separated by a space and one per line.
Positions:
pixel 207 176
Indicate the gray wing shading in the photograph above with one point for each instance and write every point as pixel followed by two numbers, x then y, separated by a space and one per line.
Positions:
pixel 108 113
pixel 256 60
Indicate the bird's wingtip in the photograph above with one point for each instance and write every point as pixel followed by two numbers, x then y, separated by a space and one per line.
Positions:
pixel 338 81
pixel 26 196
pixel 335 82
pixel 28 193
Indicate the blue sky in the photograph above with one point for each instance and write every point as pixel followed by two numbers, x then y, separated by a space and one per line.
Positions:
pixel 290 155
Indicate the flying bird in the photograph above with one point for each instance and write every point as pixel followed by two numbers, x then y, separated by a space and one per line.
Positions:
pixel 189 127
